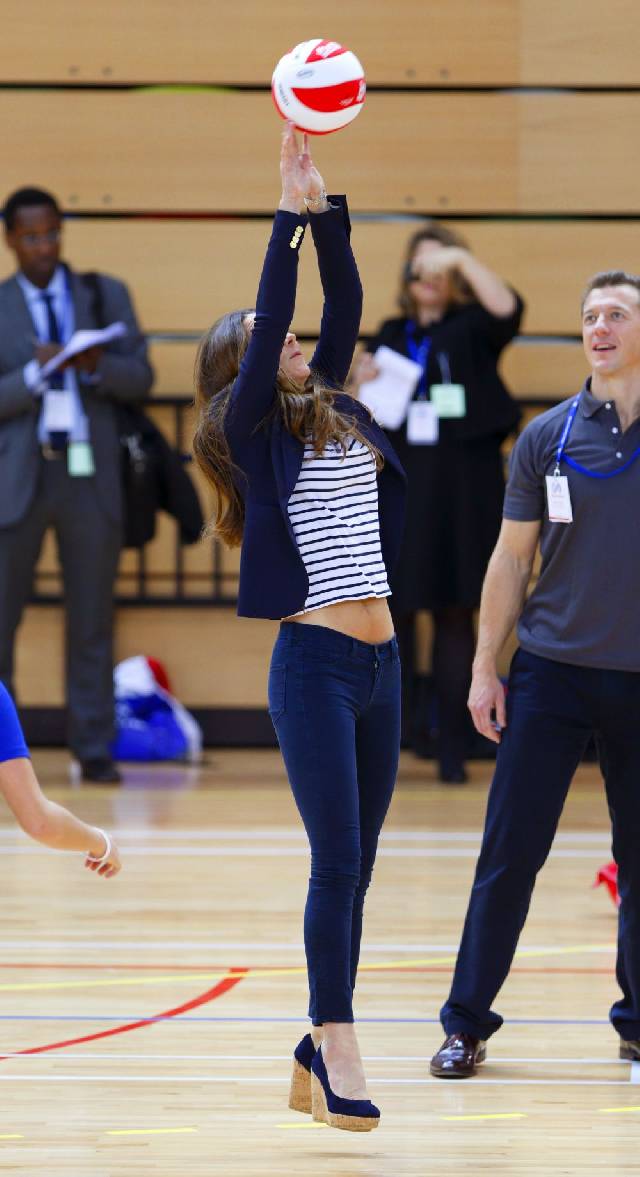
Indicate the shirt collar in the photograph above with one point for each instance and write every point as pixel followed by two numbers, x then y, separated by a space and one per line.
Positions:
pixel 589 403
pixel 32 293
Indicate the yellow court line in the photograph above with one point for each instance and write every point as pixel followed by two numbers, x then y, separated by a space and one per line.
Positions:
pixel 627 1109
pixel 494 1116
pixel 423 962
pixel 147 1131
pixel 11 1136
pixel 290 971
pixel 568 950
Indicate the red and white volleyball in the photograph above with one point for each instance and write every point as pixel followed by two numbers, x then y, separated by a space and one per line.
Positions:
pixel 320 86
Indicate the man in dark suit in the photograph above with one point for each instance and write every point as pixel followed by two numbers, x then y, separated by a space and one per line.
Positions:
pixel 60 458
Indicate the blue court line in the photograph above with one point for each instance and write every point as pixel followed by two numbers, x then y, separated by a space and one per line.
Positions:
pixel 301 1018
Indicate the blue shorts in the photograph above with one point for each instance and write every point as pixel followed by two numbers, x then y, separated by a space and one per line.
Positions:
pixel 12 743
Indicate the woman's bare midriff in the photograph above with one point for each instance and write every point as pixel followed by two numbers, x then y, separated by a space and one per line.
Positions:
pixel 368 620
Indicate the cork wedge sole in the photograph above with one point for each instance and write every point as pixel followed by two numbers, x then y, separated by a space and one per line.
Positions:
pixel 300 1090
pixel 321 1113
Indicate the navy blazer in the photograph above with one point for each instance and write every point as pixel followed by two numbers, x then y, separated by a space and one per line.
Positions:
pixel 273 579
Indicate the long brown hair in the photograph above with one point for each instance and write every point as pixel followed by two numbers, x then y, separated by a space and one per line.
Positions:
pixel 460 291
pixel 307 413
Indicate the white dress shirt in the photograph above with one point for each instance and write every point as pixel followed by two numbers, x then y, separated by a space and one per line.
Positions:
pixel 65 315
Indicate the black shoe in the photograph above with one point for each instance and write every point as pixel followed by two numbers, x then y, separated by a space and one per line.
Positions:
pixel 458 1057
pixel 630 1049
pixel 453 774
pixel 101 771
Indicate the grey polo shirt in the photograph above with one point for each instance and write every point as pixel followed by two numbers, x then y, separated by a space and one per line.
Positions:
pixel 584 607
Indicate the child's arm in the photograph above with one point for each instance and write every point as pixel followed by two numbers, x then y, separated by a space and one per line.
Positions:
pixel 50 823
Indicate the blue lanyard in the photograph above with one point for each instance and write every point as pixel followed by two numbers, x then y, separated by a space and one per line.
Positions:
pixel 419 352
pixel 560 454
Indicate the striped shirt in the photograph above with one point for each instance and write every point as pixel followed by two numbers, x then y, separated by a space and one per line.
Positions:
pixel 334 515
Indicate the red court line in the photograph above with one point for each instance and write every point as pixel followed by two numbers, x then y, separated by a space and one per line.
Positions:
pixel 227 983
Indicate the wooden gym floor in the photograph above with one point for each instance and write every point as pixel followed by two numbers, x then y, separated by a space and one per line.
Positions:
pixel 147 1023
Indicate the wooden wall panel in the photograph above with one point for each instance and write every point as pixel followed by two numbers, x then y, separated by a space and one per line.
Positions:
pixel 173 366
pixel 184 274
pixel 214 658
pixel 579 43
pixel 194 151
pixel 412 42
pixel 575 153
pixel 408 43
pixel 551 371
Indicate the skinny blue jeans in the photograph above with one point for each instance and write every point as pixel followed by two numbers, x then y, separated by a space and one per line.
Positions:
pixel 335 705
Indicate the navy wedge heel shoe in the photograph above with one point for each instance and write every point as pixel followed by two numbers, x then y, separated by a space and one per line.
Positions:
pixel 353 1115
pixel 300 1091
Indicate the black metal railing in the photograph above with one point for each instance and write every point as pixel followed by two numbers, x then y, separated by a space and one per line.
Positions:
pixel 141 588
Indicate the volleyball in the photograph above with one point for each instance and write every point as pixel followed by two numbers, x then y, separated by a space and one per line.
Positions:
pixel 319 85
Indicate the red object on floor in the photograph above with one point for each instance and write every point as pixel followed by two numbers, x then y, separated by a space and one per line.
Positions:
pixel 159 672
pixel 609 876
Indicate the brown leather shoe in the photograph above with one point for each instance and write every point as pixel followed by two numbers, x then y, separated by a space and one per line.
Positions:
pixel 630 1049
pixel 458 1057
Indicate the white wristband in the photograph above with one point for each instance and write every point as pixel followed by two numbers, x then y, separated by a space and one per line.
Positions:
pixel 107 854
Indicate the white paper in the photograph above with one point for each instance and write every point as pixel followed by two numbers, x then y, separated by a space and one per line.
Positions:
pixel 82 341
pixel 57 411
pixel 388 395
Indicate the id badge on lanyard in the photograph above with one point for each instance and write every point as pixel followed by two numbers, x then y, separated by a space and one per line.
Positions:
pixel 423 427
pixel 57 410
pixel 422 419
pixel 449 399
pixel 558 496
pixel 558 499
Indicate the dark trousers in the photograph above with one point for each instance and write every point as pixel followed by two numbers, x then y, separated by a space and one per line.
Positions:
pixel 452 658
pixel 335 705
pixel 88 548
pixel 552 710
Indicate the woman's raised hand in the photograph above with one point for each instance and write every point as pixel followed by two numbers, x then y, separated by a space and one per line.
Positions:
pixel 440 261
pixel 300 177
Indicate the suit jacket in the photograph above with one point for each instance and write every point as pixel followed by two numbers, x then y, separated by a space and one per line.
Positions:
pixel 273 579
pixel 124 374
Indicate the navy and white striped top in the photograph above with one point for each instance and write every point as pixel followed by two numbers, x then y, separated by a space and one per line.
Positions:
pixel 334 515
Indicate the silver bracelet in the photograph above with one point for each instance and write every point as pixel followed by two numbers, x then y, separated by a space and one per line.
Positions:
pixel 107 854
pixel 314 202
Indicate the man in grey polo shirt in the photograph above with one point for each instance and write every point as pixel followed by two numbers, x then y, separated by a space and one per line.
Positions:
pixel 574 488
